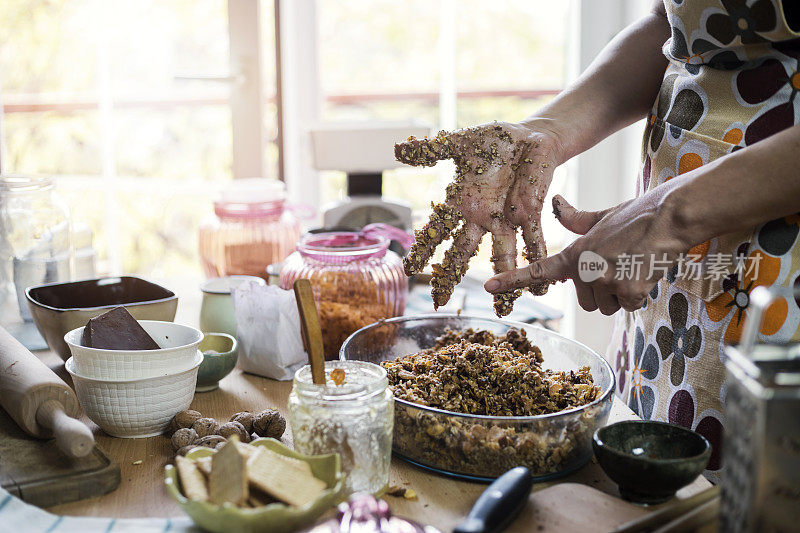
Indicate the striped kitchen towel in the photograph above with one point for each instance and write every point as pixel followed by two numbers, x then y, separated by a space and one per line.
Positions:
pixel 17 516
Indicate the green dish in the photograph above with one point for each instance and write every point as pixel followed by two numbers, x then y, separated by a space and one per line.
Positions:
pixel 273 518
pixel 216 365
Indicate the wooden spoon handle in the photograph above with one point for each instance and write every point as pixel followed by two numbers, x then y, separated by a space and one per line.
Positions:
pixel 310 329
pixel 72 436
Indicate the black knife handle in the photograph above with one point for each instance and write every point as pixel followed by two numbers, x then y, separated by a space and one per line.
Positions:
pixel 499 504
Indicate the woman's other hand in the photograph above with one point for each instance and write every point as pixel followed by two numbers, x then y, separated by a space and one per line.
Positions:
pixel 636 240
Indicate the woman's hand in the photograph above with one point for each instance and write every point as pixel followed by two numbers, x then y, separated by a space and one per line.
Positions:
pixel 637 232
pixel 502 174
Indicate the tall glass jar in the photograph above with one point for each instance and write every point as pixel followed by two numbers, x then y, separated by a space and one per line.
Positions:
pixel 357 281
pixel 35 248
pixel 250 229
pixel 352 415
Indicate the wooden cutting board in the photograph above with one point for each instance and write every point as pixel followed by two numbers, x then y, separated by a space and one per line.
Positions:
pixel 41 474
pixel 573 507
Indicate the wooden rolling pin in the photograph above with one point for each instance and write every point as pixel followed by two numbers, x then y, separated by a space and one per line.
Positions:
pixel 38 401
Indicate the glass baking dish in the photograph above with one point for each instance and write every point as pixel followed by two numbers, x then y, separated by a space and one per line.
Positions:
pixel 480 447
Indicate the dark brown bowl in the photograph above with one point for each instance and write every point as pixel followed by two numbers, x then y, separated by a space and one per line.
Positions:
pixel 58 308
pixel 649 460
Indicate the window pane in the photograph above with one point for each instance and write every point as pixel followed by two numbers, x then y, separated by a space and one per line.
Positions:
pixel 152 41
pixel 48 47
pixel 473 111
pixel 369 46
pixel 511 44
pixel 158 232
pixel 269 82
pixel 52 143
pixel 185 142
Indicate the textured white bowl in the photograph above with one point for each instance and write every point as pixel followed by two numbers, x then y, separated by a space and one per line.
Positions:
pixel 178 350
pixel 137 407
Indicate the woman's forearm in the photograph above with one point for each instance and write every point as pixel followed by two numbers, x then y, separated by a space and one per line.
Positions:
pixel 738 191
pixel 617 89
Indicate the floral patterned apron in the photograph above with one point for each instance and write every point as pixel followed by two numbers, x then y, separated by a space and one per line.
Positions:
pixel 733 79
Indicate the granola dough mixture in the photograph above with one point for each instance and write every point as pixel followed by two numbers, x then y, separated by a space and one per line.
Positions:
pixel 477 372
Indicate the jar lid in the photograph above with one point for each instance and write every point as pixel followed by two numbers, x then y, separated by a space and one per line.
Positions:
pixel 342 246
pixel 253 191
pixel 24 184
pixel 226 284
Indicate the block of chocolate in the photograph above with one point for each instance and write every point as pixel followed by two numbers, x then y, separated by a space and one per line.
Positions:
pixel 117 330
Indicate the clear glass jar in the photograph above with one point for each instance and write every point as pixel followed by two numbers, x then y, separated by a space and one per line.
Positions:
pixel 250 229
pixel 357 281
pixel 354 419
pixel 35 248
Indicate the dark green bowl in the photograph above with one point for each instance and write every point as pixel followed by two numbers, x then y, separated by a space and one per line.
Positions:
pixel 216 366
pixel 650 461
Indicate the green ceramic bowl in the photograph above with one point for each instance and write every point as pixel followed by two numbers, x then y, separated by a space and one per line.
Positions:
pixel 273 518
pixel 216 365
pixel 649 460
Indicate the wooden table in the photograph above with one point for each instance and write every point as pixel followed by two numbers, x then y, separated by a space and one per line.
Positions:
pixel 442 502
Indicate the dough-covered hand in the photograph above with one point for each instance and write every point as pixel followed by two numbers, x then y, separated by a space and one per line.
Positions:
pixel 502 174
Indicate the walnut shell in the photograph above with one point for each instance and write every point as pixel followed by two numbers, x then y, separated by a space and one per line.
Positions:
pixel 254 436
pixel 211 441
pixel 245 418
pixel 205 427
pixel 183 437
pixel 186 449
pixel 234 428
pixel 269 423
pixel 184 419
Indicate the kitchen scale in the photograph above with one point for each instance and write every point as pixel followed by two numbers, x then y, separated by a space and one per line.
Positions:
pixel 363 150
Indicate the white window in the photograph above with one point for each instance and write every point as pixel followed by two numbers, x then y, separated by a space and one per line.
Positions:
pixel 142 109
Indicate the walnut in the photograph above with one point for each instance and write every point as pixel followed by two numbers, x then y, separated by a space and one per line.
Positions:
pixel 205 427
pixel 269 423
pixel 245 418
pixel 185 449
pixel 184 419
pixel 183 437
pixel 234 428
pixel 211 441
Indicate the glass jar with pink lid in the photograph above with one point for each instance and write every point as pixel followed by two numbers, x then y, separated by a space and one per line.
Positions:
pixel 357 280
pixel 251 228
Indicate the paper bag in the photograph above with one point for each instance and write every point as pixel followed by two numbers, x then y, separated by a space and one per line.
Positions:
pixel 268 330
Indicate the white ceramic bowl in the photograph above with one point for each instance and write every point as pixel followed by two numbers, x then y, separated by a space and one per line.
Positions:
pixel 136 407
pixel 178 350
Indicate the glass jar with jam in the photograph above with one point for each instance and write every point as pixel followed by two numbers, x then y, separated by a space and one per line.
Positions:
pixel 250 229
pixel 352 415
pixel 357 281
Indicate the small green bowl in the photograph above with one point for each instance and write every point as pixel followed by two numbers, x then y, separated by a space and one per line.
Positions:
pixel 273 518
pixel 649 460
pixel 216 366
